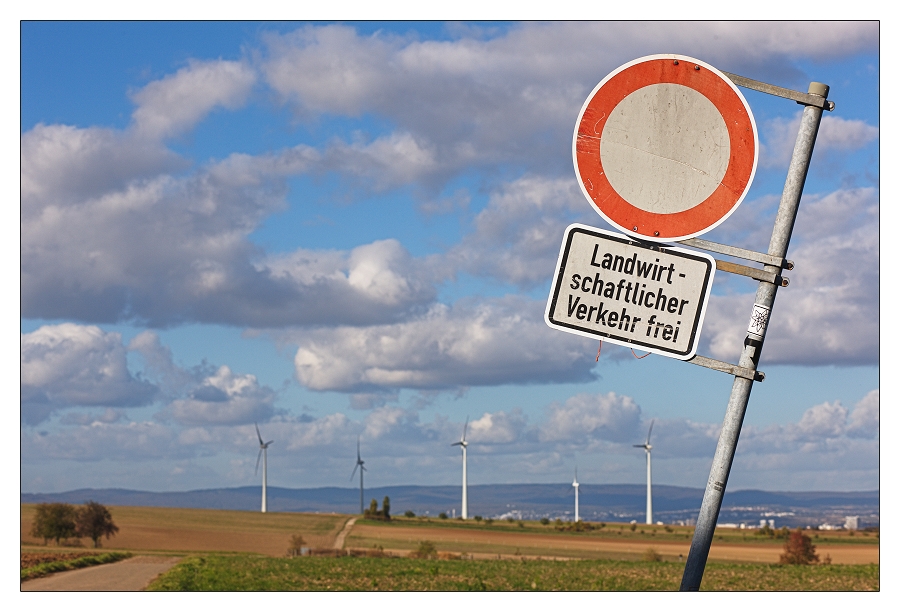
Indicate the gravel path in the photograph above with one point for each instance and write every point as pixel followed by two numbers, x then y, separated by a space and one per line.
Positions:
pixel 133 574
pixel 339 540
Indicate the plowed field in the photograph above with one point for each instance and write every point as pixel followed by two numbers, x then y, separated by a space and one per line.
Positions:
pixel 188 530
pixel 485 543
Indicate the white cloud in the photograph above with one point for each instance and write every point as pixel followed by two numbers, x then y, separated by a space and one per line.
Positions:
pixel 829 312
pixel 497 428
pixel 865 418
pixel 584 417
pixel 164 250
pixel 130 442
pixel 72 365
pixel 496 342
pixel 177 102
pixel 822 421
pixel 835 134
pixel 512 98
pixel 517 236
pixel 224 398
pixel 63 165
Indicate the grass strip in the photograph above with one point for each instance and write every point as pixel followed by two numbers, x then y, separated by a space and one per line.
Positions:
pixel 256 573
pixel 52 567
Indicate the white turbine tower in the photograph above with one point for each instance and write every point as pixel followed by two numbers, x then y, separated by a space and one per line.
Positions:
pixel 463 444
pixel 646 446
pixel 359 464
pixel 575 484
pixel 263 452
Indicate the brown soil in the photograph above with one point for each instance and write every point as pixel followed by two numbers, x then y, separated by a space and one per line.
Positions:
pixel 573 546
pixel 185 530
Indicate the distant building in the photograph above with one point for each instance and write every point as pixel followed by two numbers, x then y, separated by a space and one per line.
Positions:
pixel 851 522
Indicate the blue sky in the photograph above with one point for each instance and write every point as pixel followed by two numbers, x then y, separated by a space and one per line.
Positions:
pixel 343 230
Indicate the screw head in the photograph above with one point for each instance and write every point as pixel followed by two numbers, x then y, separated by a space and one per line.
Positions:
pixel 635 228
pixel 656 233
pixel 676 62
pixel 696 67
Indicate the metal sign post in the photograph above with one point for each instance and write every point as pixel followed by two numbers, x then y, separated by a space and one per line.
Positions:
pixel 765 297
pixel 665 148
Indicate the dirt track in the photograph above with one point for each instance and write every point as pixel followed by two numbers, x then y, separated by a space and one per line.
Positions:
pixel 132 574
pixel 531 544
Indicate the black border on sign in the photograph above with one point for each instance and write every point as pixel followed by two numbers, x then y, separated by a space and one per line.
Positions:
pixel 634 242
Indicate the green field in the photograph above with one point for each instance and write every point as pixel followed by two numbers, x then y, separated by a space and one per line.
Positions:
pixel 256 573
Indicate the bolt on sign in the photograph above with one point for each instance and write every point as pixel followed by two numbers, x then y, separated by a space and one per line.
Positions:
pixel 623 291
pixel 665 148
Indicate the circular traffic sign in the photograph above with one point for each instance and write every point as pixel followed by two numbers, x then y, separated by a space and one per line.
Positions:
pixel 665 147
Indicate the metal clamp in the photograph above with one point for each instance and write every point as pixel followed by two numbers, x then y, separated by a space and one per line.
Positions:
pixel 790 94
pixel 728 368
pixel 754 273
pixel 725 249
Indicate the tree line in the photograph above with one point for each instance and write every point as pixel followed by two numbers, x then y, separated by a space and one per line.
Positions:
pixel 60 521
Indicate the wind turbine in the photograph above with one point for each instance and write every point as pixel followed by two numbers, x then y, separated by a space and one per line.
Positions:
pixel 575 484
pixel 646 446
pixel 362 468
pixel 263 452
pixel 463 445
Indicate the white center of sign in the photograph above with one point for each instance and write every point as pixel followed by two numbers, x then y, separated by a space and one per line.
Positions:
pixel 665 148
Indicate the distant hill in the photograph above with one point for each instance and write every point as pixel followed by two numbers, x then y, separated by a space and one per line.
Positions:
pixel 621 502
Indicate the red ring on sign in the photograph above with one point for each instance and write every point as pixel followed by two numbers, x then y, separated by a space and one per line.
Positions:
pixel 741 132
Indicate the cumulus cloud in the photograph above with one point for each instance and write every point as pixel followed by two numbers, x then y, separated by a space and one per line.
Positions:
pixel 175 103
pixel 165 250
pixel 497 428
pixel 829 313
pixel 73 365
pixel 611 417
pixel 517 236
pixel 224 398
pixel 62 165
pixel 512 98
pixel 828 439
pixel 864 421
pixel 133 441
pixel 497 341
pixel 835 134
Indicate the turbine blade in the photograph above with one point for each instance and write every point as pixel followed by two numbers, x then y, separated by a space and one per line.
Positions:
pixel 258 457
pixel 269 442
pixel 465 427
pixel 352 474
pixel 258 434
pixel 357 448
pixel 650 430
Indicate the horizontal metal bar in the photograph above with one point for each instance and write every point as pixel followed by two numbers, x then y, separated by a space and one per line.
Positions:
pixel 728 368
pixel 781 92
pixel 724 249
pixel 755 273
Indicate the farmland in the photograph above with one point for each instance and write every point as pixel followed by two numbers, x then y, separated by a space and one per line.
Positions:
pixel 245 573
pixel 184 530
pixel 216 544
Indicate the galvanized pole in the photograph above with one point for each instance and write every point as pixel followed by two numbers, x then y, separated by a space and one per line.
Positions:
pixel 740 391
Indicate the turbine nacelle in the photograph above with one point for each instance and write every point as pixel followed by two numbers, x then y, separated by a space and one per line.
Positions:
pixel 262 447
pixel 462 441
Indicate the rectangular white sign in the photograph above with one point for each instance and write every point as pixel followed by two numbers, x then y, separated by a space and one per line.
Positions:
pixel 647 296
